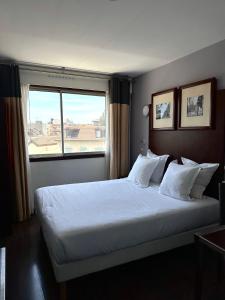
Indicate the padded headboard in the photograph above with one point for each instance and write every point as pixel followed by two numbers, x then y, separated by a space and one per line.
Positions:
pixel 206 145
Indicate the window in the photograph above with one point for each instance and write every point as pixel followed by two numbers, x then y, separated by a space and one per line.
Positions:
pixel 62 122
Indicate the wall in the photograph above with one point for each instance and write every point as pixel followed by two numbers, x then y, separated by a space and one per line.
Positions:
pixel 66 171
pixel 206 63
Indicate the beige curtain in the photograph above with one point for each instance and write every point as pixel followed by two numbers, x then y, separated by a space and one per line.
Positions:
pixel 15 139
pixel 25 106
pixel 15 125
pixel 119 127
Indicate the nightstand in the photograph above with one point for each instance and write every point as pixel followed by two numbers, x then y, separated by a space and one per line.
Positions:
pixel 214 239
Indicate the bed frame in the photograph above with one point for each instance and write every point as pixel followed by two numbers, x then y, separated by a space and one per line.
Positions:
pixel 66 272
pixel 199 145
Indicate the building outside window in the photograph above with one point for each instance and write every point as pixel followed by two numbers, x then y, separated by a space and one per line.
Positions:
pixel 65 122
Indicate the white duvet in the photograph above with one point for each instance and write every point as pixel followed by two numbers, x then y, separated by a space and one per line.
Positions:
pixel 88 219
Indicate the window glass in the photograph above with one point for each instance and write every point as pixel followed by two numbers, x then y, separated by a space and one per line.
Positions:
pixel 44 123
pixel 83 123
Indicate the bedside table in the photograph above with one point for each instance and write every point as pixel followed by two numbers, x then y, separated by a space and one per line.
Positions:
pixel 213 238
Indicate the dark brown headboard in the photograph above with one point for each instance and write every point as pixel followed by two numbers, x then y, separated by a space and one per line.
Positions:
pixel 198 145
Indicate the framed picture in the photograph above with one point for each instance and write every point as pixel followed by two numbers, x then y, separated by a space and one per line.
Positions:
pixel 196 104
pixel 163 110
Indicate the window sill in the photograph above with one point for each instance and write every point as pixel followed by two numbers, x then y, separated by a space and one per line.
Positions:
pixel 67 156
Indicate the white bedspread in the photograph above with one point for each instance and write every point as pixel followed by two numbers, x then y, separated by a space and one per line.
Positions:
pixel 88 219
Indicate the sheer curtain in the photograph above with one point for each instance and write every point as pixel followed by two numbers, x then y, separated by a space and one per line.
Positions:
pixel 107 151
pixel 25 105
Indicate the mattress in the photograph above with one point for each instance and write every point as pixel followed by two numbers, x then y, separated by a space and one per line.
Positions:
pixel 84 220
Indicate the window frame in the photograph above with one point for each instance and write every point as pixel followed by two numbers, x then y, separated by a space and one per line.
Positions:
pixel 65 156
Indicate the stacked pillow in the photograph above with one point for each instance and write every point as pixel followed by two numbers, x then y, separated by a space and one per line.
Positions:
pixel 178 181
pixel 203 179
pixel 187 181
pixel 142 170
pixel 159 170
pixel 148 168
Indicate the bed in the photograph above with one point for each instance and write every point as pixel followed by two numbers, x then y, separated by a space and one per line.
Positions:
pixel 84 222
pixel 93 226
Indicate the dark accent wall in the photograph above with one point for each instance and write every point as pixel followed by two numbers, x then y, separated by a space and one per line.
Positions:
pixel 206 63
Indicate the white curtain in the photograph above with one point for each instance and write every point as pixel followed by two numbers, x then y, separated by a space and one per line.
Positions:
pixel 107 152
pixel 25 107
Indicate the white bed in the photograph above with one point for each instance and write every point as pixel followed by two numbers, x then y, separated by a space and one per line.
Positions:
pixel 93 226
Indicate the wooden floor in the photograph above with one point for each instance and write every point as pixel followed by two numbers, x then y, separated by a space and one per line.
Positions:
pixel 167 276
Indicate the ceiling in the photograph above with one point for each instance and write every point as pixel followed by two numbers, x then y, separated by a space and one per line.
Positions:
pixel 124 36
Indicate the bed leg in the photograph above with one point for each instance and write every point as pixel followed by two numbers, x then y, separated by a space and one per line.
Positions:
pixel 62 291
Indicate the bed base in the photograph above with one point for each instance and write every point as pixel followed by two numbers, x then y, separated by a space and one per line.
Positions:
pixel 66 272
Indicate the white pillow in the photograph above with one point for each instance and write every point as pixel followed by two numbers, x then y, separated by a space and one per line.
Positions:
pixel 158 173
pixel 204 176
pixel 142 170
pixel 178 181
pixel 175 161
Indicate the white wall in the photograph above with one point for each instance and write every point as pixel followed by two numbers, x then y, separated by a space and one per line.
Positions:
pixel 66 171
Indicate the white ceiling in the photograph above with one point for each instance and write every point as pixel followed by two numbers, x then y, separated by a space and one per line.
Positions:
pixel 123 36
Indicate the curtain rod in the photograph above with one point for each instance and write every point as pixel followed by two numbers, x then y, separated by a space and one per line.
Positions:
pixel 60 71
pixel 50 69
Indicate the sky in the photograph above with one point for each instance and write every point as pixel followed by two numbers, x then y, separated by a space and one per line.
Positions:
pixel 80 109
